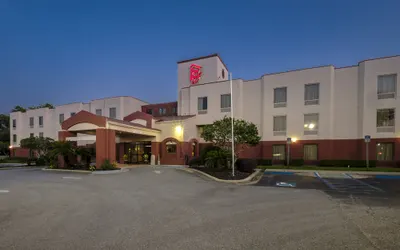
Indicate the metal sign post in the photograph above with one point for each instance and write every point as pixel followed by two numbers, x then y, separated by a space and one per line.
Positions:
pixel 288 142
pixel 367 139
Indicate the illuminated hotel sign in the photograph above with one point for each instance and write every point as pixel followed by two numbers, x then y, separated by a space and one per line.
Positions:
pixel 195 73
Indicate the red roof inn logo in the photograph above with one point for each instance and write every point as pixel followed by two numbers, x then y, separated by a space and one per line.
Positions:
pixel 195 73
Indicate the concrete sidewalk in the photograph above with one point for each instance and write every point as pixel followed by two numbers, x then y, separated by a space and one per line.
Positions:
pixel 333 171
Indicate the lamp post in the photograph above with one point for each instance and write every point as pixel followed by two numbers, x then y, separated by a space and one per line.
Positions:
pixel 11 151
pixel 233 138
pixel 367 139
pixel 288 142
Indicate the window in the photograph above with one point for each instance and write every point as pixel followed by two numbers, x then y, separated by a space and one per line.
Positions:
pixel 113 113
pixel 174 110
pixel 200 130
pixel 99 112
pixel 223 74
pixel 279 126
pixel 310 152
pixel 31 135
pixel 162 111
pixel 14 124
pixel 387 86
pixel 278 152
pixel 385 120
pixel 202 105
pixel 61 118
pixel 226 103
pixel 384 151
pixel 31 122
pixel 40 121
pixel 72 114
pixel 149 111
pixel 311 124
pixel 14 138
pixel 41 134
pixel 311 94
pixel 171 147
pixel 280 97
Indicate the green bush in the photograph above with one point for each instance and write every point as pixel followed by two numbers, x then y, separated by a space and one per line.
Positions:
pixel 264 162
pixel 295 162
pixel 31 161
pixel 246 165
pixel 346 163
pixel 204 151
pixel 107 165
pixel 16 159
pixel 217 158
pixel 41 161
pixel 195 161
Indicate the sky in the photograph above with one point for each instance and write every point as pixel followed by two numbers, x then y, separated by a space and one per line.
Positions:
pixel 75 51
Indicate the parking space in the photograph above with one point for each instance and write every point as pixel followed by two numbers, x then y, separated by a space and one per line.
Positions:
pixel 379 190
pixel 164 208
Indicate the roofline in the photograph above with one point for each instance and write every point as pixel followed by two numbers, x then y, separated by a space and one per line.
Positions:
pixel 204 57
pixel 150 104
pixel 117 97
pixel 377 58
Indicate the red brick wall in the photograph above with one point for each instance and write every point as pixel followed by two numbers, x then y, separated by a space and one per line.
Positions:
pixel 105 146
pixel 155 108
pixel 19 152
pixel 172 158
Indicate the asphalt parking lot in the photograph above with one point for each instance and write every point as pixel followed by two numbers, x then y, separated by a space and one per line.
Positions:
pixel 164 208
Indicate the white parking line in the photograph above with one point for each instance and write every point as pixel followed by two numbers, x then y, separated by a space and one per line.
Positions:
pixel 72 178
pixel 4 191
pixel 157 171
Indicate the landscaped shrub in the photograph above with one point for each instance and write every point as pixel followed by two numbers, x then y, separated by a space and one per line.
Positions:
pixel 216 158
pixel 346 163
pixel 195 161
pixel 204 152
pixel 264 162
pixel 41 161
pixel 246 165
pixel 17 159
pixel 107 165
pixel 295 162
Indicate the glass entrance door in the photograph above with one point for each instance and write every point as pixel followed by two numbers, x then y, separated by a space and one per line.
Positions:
pixel 138 152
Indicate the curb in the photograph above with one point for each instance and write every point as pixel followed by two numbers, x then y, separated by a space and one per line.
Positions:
pixel 247 180
pixel 68 170
pixel 110 171
pixel 332 171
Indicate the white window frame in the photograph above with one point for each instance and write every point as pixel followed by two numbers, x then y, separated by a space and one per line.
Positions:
pixel 274 152
pixel 109 114
pixel 387 128
pixel 313 129
pixel 59 118
pixel 304 152
pixel 14 124
pixel 280 104
pixel 31 122
pixel 40 125
pixel 390 94
pixel 201 111
pixel 276 131
pixel 224 107
pixel 99 112
pixel 311 101
pixel 41 134
pixel 14 138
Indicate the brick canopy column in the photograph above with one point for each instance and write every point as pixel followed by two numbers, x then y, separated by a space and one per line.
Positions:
pixel 105 146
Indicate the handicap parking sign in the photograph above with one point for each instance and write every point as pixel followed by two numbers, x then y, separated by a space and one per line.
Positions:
pixel 286 184
pixel 367 138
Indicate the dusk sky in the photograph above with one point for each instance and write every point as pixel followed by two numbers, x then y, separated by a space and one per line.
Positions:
pixel 75 51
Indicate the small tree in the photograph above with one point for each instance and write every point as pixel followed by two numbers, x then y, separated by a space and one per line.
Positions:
pixel 29 143
pixel 18 109
pixel 220 134
pixel 63 148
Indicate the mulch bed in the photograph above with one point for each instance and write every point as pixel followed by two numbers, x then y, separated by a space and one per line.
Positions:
pixel 224 174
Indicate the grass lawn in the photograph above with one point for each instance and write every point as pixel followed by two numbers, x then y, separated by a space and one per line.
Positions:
pixel 379 169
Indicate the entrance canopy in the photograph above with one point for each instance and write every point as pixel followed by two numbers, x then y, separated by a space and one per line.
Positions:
pixel 87 123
